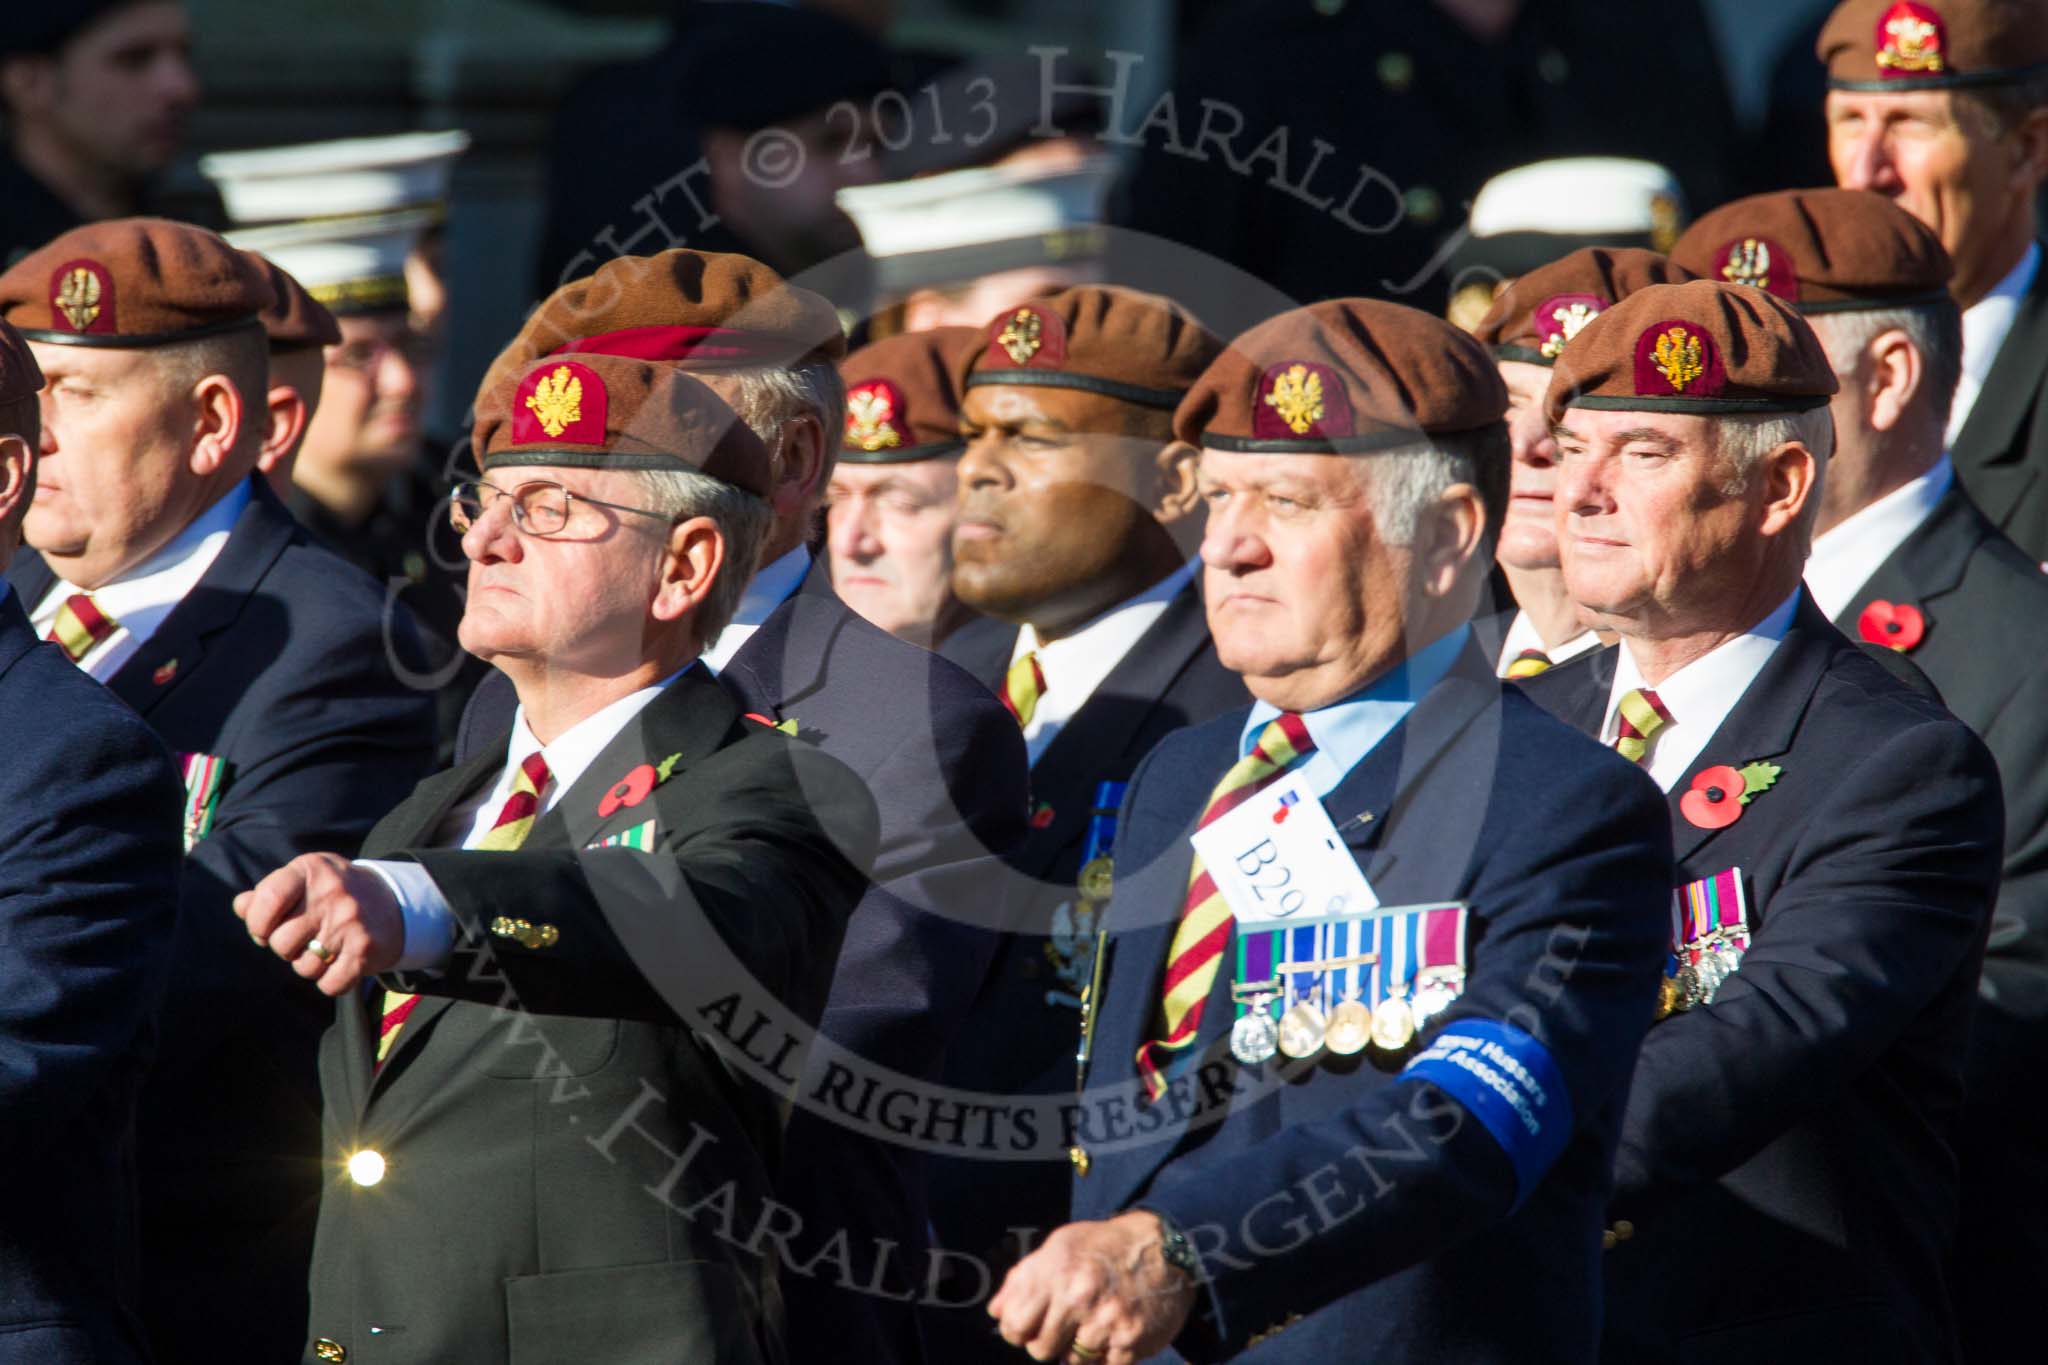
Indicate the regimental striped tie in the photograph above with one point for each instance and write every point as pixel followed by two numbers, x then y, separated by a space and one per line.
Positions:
pixel 1205 919
pixel 1641 716
pixel 80 625
pixel 1023 686
pixel 508 832
pixel 1528 664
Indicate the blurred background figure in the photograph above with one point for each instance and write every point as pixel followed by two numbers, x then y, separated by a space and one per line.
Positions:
pixel 366 481
pixel 891 504
pixel 97 95
pixel 1532 215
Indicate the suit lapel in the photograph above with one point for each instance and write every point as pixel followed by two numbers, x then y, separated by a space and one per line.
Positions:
pixel 260 535
pixel 1988 442
pixel 1102 730
pixel 1927 565
pixel 783 661
pixel 1764 723
pixel 32 579
pixel 983 646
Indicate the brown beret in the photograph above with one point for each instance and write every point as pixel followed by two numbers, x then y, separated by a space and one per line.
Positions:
pixel 614 412
pixel 1822 251
pixel 1707 348
pixel 704 310
pixel 295 318
pixel 1140 348
pixel 1880 45
pixel 20 376
pixel 133 282
pixel 1535 315
pixel 1343 377
pixel 902 399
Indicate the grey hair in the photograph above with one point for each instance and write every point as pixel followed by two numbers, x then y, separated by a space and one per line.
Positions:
pixel 772 396
pixel 1935 329
pixel 742 519
pixel 1744 441
pixel 1401 484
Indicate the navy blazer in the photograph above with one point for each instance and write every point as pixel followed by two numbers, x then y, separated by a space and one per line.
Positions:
pixel 89 855
pixel 1984 604
pixel 1026 1021
pixel 1787 1163
pixel 1346 1211
pixel 278 662
pixel 2001 454
pixel 945 764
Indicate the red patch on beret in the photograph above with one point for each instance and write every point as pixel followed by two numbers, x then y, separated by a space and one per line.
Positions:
pixel 1911 41
pixel 559 405
pixel 1558 319
pixel 1675 358
pixel 1026 338
pixel 1759 263
pixel 1301 400
pixel 877 418
pixel 82 297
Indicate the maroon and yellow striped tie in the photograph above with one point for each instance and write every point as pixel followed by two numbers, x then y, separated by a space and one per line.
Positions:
pixel 1023 686
pixel 1641 716
pixel 1206 923
pixel 506 833
pixel 1528 664
pixel 80 625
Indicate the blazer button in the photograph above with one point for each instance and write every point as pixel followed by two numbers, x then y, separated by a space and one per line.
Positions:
pixel 326 1348
pixel 1078 1155
pixel 366 1168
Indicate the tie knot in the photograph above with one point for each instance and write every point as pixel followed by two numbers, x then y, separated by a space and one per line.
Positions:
pixel 1023 686
pixel 1639 717
pixel 1284 740
pixel 1528 664
pixel 533 774
pixel 80 625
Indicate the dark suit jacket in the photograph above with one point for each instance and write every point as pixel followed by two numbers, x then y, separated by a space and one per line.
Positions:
pixel 1985 604
pixel 1025 1024
pixel 1787 1160
pixel 88 899
pixel 945 764
pixel 277 662
pixel 2001 453
pixel 1416 1249
pixel 581 1131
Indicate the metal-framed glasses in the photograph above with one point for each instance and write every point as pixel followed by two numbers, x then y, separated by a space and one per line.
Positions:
pixel 540 507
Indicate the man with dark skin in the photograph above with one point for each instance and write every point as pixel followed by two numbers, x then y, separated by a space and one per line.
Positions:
pixel 1078 522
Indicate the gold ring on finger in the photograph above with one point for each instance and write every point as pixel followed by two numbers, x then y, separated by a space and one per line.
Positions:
pixel 320 950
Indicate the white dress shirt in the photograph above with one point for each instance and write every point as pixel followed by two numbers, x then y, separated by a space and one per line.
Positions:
pixel 429 925
pixel 1843 560
pixel 773 585
pixel 1985 324
pixel 1522 635
pixel 1698 696
pixel 1075 665
pixel 140 599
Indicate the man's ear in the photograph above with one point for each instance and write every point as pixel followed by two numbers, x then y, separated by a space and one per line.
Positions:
pixel 1896 373
pixel 802 466
pixel 1791 480
pixel 17 475
pixel 691 560
pixel 1448 538
pixel 218 418
pixel 1176 494
pixel 288 417
pixel 2030 159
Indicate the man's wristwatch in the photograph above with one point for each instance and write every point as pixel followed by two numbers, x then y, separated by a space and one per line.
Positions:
pixel 1175 1249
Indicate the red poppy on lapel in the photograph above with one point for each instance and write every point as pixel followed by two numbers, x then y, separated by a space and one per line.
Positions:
pixel 1719 793
pixel 1042 817
pixel 629 790
pixel 165 672
pixel 1897 626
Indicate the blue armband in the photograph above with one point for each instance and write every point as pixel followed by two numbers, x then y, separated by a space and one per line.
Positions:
pixel 1509 1082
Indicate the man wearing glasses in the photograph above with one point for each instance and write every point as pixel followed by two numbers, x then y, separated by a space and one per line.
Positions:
pixel 168 571
pixel 527 1112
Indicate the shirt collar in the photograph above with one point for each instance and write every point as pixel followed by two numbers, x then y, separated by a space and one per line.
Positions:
pixel 151 588
pixel 577 747
pixel 1346 731
pixel 1844 559
pixel 1112 625
pixel 1700 695
pixel 1986 322
pixel 1523 635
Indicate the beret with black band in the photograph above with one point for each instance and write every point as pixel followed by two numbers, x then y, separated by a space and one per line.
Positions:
pixel 133 282
pixel 1822 251
pixel 1134 347
pixel 901 401
pixel 1882 46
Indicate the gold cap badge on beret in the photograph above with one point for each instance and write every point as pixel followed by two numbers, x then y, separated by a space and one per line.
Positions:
pixel 871 409
pixel 1822 251
pixel 82 297
pixel 1872 46
pixel 1137 348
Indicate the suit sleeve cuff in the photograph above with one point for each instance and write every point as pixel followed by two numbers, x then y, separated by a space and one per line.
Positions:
pixel 429 923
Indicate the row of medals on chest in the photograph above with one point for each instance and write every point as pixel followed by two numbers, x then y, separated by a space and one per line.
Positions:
pixel 1305 1029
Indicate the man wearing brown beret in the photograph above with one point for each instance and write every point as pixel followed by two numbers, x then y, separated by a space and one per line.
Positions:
pixel 1531 319
pixel 1942 107
pixel 891 503
pixel 577 900
pixel 1786 1177
pixel 298 328
pixel 167 570
pixel 1338 1106
pixel 1903 559
pixel 940 756
pixel 88 909
pixel 1078 520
